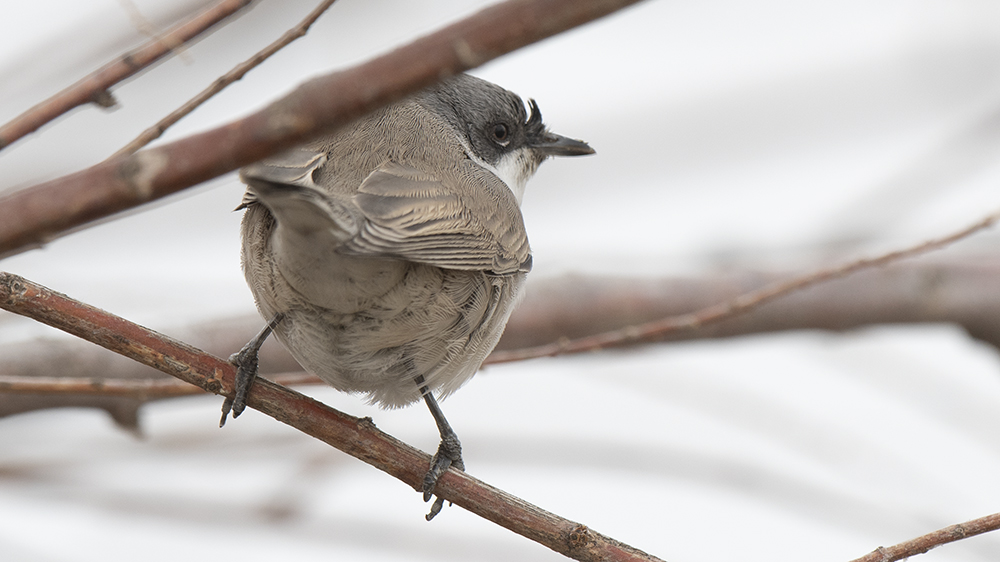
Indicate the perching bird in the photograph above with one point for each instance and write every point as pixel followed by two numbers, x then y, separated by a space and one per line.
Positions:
pixel 389 256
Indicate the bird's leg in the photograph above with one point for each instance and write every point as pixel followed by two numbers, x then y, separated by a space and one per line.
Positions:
pixel 246 371
pixel 449 452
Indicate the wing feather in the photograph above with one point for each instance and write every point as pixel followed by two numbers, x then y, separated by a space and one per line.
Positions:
pixel 418 217
pixel 470 221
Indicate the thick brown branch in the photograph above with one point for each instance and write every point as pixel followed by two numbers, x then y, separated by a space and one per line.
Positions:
pixel 354 436
pixel 920 545
pixel 154 132
pixel 94 88
pixel 38 214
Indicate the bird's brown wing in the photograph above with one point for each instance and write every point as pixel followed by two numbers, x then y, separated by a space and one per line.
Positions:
pixel 470 222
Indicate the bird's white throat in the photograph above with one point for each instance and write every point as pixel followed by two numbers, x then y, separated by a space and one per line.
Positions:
pixel 514 168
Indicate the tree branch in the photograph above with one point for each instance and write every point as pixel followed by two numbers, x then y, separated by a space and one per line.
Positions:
pixel 958 290
pixel 355 436
pixel 93 88
pixel 659 329
pixel 154 132
pixel 920 545
pixel 41 213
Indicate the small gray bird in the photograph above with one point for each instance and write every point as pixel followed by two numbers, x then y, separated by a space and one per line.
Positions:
pixel 389 256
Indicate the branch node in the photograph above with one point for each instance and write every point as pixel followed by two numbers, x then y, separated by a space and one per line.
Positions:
pixel 104 98
pixel 580 538
pixel 959 531
pixel 13 288
pixel 129 61
pixel 213 384
pixel 140 171
pixel 465 54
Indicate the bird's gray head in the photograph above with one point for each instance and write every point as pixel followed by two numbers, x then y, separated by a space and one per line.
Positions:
pixel 496 129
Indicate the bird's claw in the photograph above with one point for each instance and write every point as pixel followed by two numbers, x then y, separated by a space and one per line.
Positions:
pixel 246 371
pixel 449 454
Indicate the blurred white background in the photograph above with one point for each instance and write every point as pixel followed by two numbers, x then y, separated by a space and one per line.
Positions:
pixel 765 133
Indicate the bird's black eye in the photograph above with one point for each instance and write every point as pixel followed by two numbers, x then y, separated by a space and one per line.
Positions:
pixel 500 133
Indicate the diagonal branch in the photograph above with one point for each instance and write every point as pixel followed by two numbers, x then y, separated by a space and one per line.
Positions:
pixel 93 88
pixel 154 132
pixel 657 329
pixel 355 436
pixel 38 214
pixel 923 544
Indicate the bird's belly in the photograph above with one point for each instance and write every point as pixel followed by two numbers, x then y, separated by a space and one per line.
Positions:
pixel 433 322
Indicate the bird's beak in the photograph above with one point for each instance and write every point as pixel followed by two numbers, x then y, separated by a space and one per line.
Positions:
pixel 552 144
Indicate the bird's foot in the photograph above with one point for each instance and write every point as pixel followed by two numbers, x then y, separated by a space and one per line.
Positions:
pixel 246 372
pixel 449 454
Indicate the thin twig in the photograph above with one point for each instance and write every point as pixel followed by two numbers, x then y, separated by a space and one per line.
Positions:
pixel 138 388
pixel 354 436
pixel 94 88
pixel 38 214
pixel 920 545
pixel 651 331
pixel 154 132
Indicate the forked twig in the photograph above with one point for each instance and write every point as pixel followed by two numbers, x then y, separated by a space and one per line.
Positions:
pixel 154 132
pixel 94 88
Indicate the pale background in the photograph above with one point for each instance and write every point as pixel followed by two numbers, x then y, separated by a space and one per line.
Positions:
pixel 729 133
